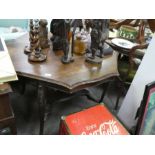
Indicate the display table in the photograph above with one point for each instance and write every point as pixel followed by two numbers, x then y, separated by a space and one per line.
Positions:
pixel 69 78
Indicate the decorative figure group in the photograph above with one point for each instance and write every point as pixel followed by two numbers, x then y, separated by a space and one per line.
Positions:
pixel 63 31
pixel 38 37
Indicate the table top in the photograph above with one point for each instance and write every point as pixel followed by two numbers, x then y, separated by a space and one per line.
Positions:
pixel 68 77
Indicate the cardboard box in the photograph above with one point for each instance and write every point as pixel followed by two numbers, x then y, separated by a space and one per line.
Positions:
pixel 97 120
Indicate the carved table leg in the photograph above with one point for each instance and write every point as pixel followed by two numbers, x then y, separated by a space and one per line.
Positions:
pixel 122 89
pixel 104 91
pixel 42 103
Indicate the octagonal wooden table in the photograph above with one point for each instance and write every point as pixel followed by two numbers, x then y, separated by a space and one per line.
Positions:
pixel 69 78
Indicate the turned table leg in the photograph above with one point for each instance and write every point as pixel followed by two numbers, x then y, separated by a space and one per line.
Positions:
pixel 42 104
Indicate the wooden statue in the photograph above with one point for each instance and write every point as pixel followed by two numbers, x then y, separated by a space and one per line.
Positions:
pixel 30 48
pixel 99 33
pixel 36 54
pixel 67 42
pixel 55 29
pixel 43 34
pixel 62 38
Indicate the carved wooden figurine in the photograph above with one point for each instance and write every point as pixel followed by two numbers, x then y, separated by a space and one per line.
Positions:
pixel 62 38
pixel 99 33
pixel 36 54
pixel 67 42
pixel 55 29
pixel 30 48
pixel 43 34
pixel 95 42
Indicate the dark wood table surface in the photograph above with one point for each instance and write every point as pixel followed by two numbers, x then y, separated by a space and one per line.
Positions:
pixel 69 78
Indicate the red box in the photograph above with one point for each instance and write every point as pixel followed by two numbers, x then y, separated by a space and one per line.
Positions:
pixel 97 120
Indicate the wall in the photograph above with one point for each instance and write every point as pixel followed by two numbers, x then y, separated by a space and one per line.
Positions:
pixel 14 22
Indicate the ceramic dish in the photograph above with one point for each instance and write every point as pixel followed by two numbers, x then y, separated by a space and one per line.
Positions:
pixel 122 43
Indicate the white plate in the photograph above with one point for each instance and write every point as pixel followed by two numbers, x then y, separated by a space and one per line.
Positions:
pixel 122 43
